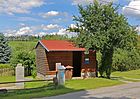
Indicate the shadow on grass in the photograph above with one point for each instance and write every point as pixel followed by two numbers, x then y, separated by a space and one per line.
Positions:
pixel 47 90
pixel 116 78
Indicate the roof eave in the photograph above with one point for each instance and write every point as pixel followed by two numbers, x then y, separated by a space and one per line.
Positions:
pixel 44 46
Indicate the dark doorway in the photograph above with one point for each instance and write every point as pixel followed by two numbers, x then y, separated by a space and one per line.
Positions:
pixel 77 64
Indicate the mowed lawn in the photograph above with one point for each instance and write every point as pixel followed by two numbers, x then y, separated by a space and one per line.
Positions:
pixel 27 84
pixel 7 78
pixel 50 90
pixel 134 74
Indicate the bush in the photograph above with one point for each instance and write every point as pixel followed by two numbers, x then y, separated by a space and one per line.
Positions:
pixel 34 72
pixel 27 59
pixel 22 52
pixel 124 60
pixel 5 66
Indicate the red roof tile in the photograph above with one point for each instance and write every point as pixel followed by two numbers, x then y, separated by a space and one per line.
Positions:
pixel 60 45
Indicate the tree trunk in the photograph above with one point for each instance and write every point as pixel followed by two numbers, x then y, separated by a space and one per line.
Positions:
pixel 106 63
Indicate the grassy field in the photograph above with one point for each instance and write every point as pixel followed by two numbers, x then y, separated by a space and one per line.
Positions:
pixel 7 78
pixel 134 74
pixel 27 84
pixel 22 45
pixel 49 90
pixel 41 89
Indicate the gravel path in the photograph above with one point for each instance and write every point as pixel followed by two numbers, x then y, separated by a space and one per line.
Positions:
pixel 125 91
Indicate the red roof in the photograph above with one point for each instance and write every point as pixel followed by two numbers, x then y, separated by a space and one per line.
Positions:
pixel 59 45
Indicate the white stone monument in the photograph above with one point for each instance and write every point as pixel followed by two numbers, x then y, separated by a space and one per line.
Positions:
pixel 20 76
pixel 61 75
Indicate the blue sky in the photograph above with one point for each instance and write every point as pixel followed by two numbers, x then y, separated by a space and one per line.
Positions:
pixel 40 17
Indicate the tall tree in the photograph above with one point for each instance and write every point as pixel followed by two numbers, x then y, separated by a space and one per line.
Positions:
pixel 5 50
pixel 99 26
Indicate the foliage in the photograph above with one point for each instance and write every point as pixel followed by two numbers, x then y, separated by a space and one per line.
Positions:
pixel 23 38
pixel 55 37
pixel 34 72
pixel 101 27
pixel 124 60
pixel 5 66
pixel 5 50
pixel 27 59
pixel 22 52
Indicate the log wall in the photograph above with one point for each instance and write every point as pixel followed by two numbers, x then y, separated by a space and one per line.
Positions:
pixel 41 60
pixel 63 57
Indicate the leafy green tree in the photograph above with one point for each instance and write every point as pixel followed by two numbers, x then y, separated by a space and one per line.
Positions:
pixel 101 27
pixel 5 50
pixel 27 59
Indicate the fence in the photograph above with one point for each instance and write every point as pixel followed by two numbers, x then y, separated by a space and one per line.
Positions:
pixel 7 72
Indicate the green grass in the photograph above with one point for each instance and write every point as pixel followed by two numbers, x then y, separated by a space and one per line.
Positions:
pixel 90 83
pixel 7 78
pixel 70 86
pixel 35 84
pixel 27 84
pixel 134 74
pixel 22 45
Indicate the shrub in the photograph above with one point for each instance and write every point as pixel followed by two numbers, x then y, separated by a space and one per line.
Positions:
pixel 5 66
pixel 27 59
pixel 124 60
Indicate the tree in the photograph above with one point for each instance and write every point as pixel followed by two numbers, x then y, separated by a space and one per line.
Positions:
pixel 5 50
pixel 27 59
pixel 100 27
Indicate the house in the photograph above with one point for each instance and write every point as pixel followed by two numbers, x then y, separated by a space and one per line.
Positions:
pixel 50 52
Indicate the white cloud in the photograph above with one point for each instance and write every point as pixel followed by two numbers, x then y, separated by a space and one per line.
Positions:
pixel 22 31
pixel 49 14
pixel 83 2
pixel 10 32
pixel 18 6
pixel 33 30
pixel 45 27
pixel 75 2
pixel 63 31
pixel 73 26
pixel 27 19
pixel 133 9
pixel 40 34
pixel 138 29
pixel 40 30
pixel 50 27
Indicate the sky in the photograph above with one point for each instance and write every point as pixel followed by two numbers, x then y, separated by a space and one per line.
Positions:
pixel 41 17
